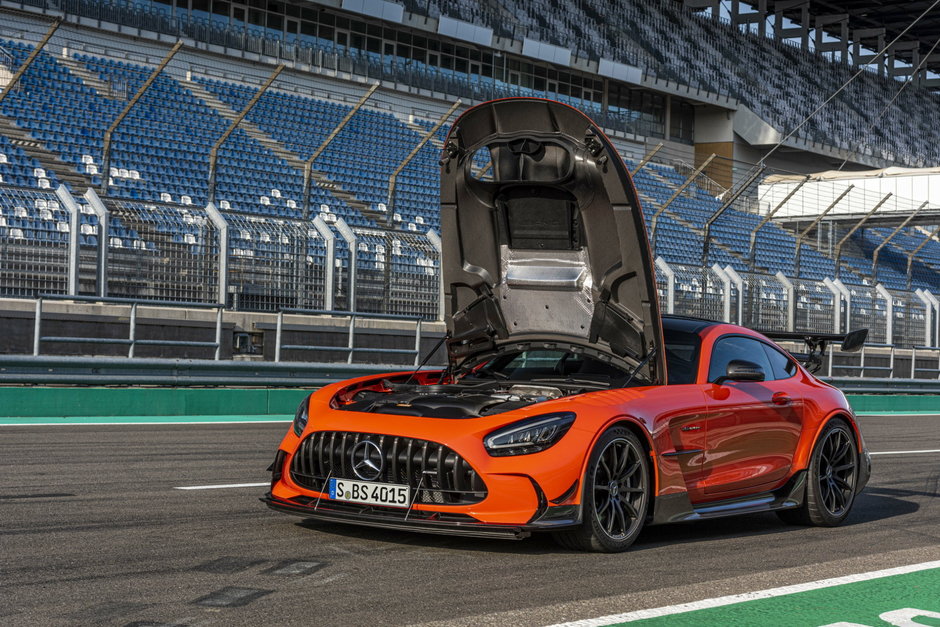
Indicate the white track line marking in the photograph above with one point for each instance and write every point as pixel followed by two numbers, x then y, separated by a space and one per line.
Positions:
pixel 221 487
pixel 258 485
pixel 748 596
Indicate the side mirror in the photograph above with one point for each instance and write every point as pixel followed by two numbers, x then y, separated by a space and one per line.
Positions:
pixel 741 370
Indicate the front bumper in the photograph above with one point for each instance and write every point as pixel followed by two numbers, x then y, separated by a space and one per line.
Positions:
pixel 448 523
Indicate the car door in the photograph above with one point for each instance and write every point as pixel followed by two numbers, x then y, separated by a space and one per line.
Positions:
pixel 686 411
pixel 752 427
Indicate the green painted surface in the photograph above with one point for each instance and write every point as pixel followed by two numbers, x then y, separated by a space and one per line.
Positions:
pixel 861 603
pixel 48 402
pixel 39 402
pixel 895 403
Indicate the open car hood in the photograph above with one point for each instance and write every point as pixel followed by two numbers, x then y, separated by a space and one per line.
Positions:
pixel 547 243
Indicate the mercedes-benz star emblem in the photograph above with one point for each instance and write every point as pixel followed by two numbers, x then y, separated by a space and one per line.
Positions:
pixel 367 460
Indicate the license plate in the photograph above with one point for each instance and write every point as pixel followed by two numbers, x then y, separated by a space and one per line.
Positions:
pixel 370 493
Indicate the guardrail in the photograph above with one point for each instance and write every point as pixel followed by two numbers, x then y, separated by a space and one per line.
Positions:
pixel 131 341
pixel 158 372
pixel 915 369
pixel 153 372
pixel 350 347
pixel 861 368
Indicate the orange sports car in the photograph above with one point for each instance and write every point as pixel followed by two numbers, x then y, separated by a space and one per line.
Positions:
pixel 569 404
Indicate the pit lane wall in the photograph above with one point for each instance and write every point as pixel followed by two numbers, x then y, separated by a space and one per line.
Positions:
pixel 108 402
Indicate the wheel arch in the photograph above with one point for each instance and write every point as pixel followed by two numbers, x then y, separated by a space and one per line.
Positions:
pixel 638 428
pixel 838 414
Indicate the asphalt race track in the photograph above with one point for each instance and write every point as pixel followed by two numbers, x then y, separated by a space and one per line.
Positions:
pixel 94 531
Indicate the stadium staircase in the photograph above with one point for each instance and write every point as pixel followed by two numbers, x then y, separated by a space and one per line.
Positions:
pixel 101 87
pixel 321 179
pixel 56 168
pixel 437 142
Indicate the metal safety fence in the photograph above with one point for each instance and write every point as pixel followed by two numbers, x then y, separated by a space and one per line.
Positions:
pixel 53 243
pixel 35 229
pixel 274 264
pixel 160 252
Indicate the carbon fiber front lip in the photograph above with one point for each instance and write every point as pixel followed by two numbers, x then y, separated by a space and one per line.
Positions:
pixel 323 511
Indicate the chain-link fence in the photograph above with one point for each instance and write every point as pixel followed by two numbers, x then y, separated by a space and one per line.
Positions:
pixel 415 286
pixel 814 307
pixel 910 320
pixel 274 264
pixel 869 311
pixel 34 242
pixel 765 302
pixel 161 252
pixel 698 293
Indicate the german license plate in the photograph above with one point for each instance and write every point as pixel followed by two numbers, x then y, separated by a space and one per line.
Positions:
pixel 370 493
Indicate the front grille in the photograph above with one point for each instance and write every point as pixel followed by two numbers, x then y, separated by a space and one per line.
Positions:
pixel 437 473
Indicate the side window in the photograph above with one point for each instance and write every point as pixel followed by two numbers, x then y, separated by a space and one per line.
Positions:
pixel 729 348
pixel 681 356
pixel 783 366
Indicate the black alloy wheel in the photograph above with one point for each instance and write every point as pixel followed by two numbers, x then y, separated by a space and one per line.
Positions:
pixel 831 479
pixel 837 472
pixel 616 495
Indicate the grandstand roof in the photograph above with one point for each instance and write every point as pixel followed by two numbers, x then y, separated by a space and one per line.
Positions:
pixel 891 15
pixel 836 175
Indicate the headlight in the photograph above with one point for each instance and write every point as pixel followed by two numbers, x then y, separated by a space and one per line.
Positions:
pixel 300 418
pixel 528 436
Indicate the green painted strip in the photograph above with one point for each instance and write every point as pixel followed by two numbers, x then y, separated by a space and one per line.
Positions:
pixel 895 403
pixel 897 413
pixel 134 420
pixel 61 402
pixel 44 402
pixel 861 603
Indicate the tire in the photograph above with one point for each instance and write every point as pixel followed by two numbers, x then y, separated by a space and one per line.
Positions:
pixel 615 495
pixel 831 479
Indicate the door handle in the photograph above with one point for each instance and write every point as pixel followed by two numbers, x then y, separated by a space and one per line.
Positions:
pixel 781 398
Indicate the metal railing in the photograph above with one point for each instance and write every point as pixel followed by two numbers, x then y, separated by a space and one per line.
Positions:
pixel 933 370
pixel 350 349
pixel 131 341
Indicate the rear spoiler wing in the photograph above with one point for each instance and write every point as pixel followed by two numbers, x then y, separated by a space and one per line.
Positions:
pixel 817 343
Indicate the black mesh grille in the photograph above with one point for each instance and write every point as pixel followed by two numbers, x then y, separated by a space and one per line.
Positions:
pixel 442 475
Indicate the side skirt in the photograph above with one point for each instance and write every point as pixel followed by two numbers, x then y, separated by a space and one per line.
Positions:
pixel 673 508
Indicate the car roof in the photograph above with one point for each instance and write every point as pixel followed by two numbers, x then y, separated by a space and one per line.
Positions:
pixel 688 324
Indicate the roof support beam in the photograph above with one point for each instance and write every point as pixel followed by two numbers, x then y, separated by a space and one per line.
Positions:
pixel 655 221
pixel 913 253
pixel 801 31
pixel 857 226
pixel 108 134
pixel 841 45
pixel 214 152
pixel 29 60
pixel 874 256
pixel 816 221
pixel 759 16
pixel 877 38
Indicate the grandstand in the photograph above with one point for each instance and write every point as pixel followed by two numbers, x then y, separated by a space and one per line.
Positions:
pixel 162 223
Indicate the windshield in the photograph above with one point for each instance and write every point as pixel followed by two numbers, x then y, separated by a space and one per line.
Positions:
pixel 550 364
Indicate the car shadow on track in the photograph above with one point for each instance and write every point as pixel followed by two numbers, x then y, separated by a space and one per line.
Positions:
pixel 873 505
pixel 870 507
